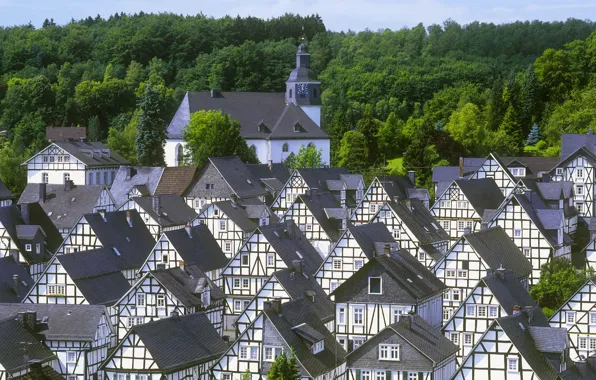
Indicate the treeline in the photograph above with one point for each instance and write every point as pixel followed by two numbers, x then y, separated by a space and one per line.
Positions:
pixel 427 94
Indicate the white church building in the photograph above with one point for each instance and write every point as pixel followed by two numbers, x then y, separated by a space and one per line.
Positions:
pixel 273 124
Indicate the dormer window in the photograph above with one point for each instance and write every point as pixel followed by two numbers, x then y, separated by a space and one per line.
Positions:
pixel 318 347
pixel 374 285
pixel 559 171
pixel 297 127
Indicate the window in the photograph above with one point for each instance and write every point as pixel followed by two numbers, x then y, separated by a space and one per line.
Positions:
pixel 56 290
pixel 314 92
pixel 227 246
pixel 270 259
pixel 380 375
pixel 456 295
pixel 197 203
pixel 223 226
pixel 592 344
pixel 38 248
pixel 284 148
pixel 337 264
pixel 527 252
pixel 237 306
pixel 453 337
pixel 271 353
pixel 396 313
pixel 290 93
pixel 412 375
pixel 44 178
pixel 341 316
pixel 67 158
pixel 446 314
pixel 45 158
pixel 579 190
pixel 226 376
pixel 468 339
pixel 245 304
pixel 580 173
pixel 365 374
pixel 374 285
pixel 372 208
pixel 559 171
pixel 570 317
pixel 245 283
pixel 469 224
pixel 105 178
pixel 358 263
pixel 462 204
pixel 358 316
pixel 471 310
pixel 97 178
pixel 133 321
pixel 318 347
pixel 421 255
pixel 52 158
pixel 71 357
pixel 580 207
pixel 243 352
pixel 164 259
pixel 593 318
pixel 66 177
pixel 161 300
pixel 461 225
pixel 334 285
pixel 445 224
pixel 388 351
pixel 90 179
pixel 582 343
pixel 482 311
pixel 493 311
pixel 462 273
pixel 517 233
pixel 445 204
pixel 512 364
pixel 244 260
pixel 254 353
pixel 450 273
pixel 28 247
pixel 309 227
pixel 141 299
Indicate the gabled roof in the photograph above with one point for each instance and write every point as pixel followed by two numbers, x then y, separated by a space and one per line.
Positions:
pixel 65 133
pixel 187 284
pixel 497 250
pixel 481 193
pixel 199 248
pixel 507 289
pixel 173 210
pixel 176 180
pixel 8 269
pixel 288 241
pixel 133 242
pixel 237 175
pixel 401 187
pixel 367 235
pixel 316 178
pixel 128 177
pixel 273 175
pixel 90 153
pixel 13 337
pixel 580 371
pixel 300 313
pixel 317 202
pixel 64 322
pixel 408 281
pixel 64 207
pixel 582 151
pixel 250 109
pixel 180 342
pixel 237 212
pixel 419 220
pixel 451 173
pixel 534 165
pixel 570 143
pixel 540 215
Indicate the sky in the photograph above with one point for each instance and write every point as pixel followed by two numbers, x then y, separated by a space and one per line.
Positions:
pixel 337 14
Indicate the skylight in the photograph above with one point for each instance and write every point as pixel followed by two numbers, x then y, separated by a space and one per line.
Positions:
pixel 116 251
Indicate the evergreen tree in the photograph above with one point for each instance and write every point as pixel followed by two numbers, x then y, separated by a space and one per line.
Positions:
pixel 94 129
pixel 389 137
pixel 368 126
pixel 353 151
pixel 151 134
pixel 534 136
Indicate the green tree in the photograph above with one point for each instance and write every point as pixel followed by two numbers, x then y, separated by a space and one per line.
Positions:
pixel 534 136
pixel 559 279
pixel 369 126
pixel 124 141
pixel 284 368
pixel 12 173
pixel 94 129
pixel 308 157
pixel 389 137
pixel 151 128
pixel 510 129
pixel 468 127
pixel 353 151
pixel 212 133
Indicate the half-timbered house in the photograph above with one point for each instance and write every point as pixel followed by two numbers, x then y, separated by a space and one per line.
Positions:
pixel 66 204
pixel 493 167
pixel 578 316
pixel 320 216
pixel 388 189
pixel 355 247
pixel 135 181
pixel 161 213
pixel 159 293
pixel 471 258
pixel 273 176
pixel 78 335
pixel 557 195
pixel 409 349
pixel 232 222
pixel 590 253
pixel 190 246
pixel 175 348
pixel 415 229
pixel 85 163
pixel 385 288
pixel 287 285
pixel 538 231
pixel 462 205
pixel 27 233
pixel 15 281
pixel 497 295
pixel 290 327
pixel 520 346
pixel 269 249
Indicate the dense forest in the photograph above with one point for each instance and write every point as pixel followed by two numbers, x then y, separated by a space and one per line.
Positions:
pixel 393 100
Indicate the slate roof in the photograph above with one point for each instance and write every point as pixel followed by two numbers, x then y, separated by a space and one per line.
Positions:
pixel 533 165
pixel 481 193
pixel 570 143
pixel 582 151
pixel 28 232
pixel 13 336
pixel 187 284
pixel 317 202
pixel 316 178
pixel 411 282
pixel 421 335
pixel 173 210
pixel 8 268
pixel 4 192
pixel 63 207
pixel 176 180
pixel 147 176
pixel 134 243
pixel 201 250
pixel 497 249
pixel 451 173
pixel 237 175
pixel 420 221
pixel 237 213
pixel 507 289
pixel 580 371
pixel 101 283
pixel 250 109
pixel 276 171
pixel 65 133
pixel 401 187
pixel 298 312
pixel 180 342
pixel 81 151
pixel 549 339
pixel 554 191
pixel 65 322
pixel 538 216
pixel 288 242
pixel 366 235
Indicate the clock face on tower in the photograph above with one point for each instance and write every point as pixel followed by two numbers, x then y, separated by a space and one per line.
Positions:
pixel 302 89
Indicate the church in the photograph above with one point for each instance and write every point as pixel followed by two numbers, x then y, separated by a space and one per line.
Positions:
pixel 274 125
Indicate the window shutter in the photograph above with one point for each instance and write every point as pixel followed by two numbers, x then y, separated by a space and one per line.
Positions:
pixel 350 345
pixel 420 375
pixel 128 376
pixel 357 374
pixel 404 375
pixel 388 376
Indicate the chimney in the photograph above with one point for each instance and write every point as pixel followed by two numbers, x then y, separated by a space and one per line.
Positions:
pixel 156 204
pixel 516 309
pixel 187 228
pixel 461 167
pixel 214 93
pixel 412 177
pixel 15 284
pixel 42 192
pixel 26 213
pixel 310 294
pixel 68 185
pixel 182 266
pixel 276 305
pixel 290 228
pixel 30 320
pixel 297 264
pixel 130 172
pixel 226 339
pixel 160 266
pixel 22 318
pixel 15 255
pixel 270 164
pixel 409 204
pixel 387 249
pixel 129 218
pixel 35 369
pixel 102 213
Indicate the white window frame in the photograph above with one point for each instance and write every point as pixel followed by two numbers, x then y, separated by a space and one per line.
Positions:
pixel 582 343
pixel 318 347
pixel 56 290
pixel 341 315
pixel 454 338
pixel 517 232
pixel 160 300
pixel 337 264
pixel 592 320
pixel 512 364
pixel 270 353
pixel 237 305
pixel 468 339
pixel 140 299
pixel 223 225
pixel 28 247
pixel 450 273
pixel 470 310
pixel 358 263
pixel 396 313
pixel 573 319
pixel 358 310
pixel 380 285
pixel 559 171
pixel 270 259
pixel 389 352
pixel 227 246
pixel 493 311
pixel 68 357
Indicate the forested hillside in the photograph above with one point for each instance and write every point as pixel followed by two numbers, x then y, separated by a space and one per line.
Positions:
pixel 427 94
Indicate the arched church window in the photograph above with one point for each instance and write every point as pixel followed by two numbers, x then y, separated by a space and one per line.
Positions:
pixel 179 155
pixel 284 148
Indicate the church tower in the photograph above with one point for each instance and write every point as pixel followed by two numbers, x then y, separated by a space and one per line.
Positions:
pixel 303 88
